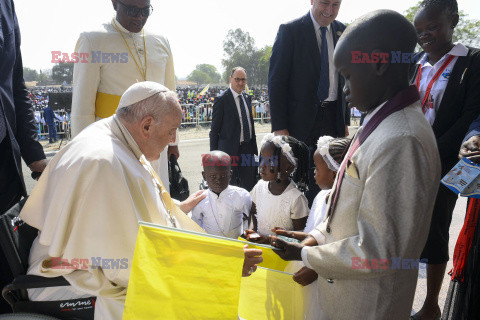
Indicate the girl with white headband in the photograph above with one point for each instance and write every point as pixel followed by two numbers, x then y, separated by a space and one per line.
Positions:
pixel 327 158
pixel 278 199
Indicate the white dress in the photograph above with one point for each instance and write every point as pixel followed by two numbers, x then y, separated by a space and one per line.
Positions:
pixel 278 210
pixel 311 304
pixel 318 211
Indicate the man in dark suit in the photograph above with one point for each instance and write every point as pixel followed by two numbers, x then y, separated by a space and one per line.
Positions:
pixel 305 90
pixel 233 130
pixel 18 132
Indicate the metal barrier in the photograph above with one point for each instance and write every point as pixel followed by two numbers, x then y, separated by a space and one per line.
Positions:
pixel 62 126
pixel 193 116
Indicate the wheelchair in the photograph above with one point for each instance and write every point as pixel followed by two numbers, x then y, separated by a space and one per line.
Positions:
pixel 16 238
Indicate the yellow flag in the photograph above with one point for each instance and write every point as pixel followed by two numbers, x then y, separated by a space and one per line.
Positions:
pixel 178 274
pixel 270 294
pixel 204 90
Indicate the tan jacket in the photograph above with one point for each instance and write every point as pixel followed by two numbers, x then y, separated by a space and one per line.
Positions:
pixel 383 212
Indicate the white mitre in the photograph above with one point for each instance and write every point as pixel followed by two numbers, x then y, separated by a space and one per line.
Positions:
pixel 140 91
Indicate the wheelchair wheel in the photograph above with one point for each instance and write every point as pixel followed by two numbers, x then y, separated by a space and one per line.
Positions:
pixel 25 316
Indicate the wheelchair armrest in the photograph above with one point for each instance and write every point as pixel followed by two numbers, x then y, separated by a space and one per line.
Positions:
pixel 32 281
pixel 29 282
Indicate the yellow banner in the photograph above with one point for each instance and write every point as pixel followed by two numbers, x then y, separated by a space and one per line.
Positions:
pixel 269 294
pixel 179 274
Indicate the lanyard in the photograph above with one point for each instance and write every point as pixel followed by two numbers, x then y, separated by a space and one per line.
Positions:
pixel 142 71
pixel 432 82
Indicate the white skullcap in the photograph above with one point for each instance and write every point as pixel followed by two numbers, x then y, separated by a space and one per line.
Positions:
pixel 140 91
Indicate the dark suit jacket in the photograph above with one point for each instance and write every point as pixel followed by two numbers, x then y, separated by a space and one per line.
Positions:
pixel 474 129
pixel 294 76
pixel 460 105
pixel 14 103
pixel 225 130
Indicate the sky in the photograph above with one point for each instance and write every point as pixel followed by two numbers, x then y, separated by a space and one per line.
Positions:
pixel 196 29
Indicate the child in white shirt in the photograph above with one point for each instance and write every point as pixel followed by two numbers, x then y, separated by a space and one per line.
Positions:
pixel 225 207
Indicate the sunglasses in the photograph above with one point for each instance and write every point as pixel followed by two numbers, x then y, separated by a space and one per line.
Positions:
pixel 132 11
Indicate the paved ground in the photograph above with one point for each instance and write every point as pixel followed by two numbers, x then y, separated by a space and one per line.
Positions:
pixel 190 163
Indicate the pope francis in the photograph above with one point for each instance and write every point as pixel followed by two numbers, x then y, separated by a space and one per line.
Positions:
pixel 120 54
pixel 92 194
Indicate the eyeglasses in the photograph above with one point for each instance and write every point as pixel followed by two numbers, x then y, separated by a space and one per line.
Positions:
pixel 240 79
pixel 132 11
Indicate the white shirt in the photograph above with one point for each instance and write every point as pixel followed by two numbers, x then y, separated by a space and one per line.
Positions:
pixel 333 75
pixel 237 103
pixel 222 215
pixel 438 88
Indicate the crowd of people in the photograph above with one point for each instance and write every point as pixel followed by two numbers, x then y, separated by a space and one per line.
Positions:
pixel 195 107
pixel 354 212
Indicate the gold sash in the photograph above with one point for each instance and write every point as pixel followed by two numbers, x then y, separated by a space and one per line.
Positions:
pixel 106 104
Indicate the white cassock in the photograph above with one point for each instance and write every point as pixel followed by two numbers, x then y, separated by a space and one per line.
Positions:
pixel 87 204
pixel 99 83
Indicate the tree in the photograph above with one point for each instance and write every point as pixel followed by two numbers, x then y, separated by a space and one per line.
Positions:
pixel 62 72
pixel 239 49
pixel 30 74
pixel 199 77
pixel 465 32
pixel 210 70
pixel 44 77
pixel 264 64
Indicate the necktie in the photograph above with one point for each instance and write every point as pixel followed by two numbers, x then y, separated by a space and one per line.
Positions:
pixel 3 126
pixel 246 128
pixel 324 83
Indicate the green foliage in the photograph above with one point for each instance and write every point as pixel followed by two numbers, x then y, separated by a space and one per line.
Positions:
pixel 62 72
pixel 209 70
pixel 239 49
pixel 30 74
pixel 199 77
pixel 466 31
pixel 204 74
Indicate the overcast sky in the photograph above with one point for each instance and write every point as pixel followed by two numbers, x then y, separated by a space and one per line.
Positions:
pixel 195 29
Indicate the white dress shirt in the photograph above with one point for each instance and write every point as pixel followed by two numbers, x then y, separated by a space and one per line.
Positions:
pixel 222 215
pixel 237 103
pixel 333 75
pixel 438 88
